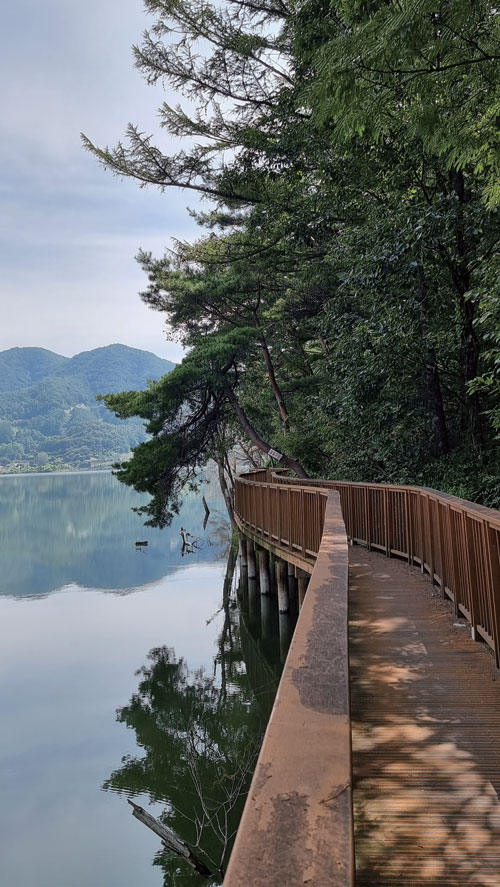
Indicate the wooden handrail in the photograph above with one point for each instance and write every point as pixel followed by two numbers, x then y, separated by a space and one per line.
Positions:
pixel 289 833
pixel 288 517
pixel 456 542
pixel 297 825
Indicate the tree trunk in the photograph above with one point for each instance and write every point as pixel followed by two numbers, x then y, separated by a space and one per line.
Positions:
pixel 434 391
pixel 255 436
pixel 228 499
pixel 274 385
pixel 470 341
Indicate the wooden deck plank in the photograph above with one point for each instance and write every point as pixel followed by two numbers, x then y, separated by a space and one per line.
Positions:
pixel 426 730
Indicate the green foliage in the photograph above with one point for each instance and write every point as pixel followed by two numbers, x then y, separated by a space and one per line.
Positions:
pixel 430 72
pixel 6 432
pixel 200 745
pixel 343 306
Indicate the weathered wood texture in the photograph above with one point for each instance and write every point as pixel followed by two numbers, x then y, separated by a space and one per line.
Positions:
pixel 170 839
pixel 426 698
pixel 297 824
pixel 425 718
pixel 457 543
pixel 282 518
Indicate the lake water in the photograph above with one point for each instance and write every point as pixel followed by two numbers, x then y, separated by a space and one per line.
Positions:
pixel 124 672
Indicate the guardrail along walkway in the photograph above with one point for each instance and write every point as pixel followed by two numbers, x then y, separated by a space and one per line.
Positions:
pixel 425 696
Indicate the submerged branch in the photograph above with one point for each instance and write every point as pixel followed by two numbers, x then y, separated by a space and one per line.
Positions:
pixel 171 841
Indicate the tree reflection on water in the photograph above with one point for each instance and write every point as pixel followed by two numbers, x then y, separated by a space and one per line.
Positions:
pixel 200 735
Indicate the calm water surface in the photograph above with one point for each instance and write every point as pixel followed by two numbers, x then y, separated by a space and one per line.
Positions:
pixel 123 672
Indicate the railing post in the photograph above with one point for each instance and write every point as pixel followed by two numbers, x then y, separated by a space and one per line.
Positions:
pixel 278 493
pixel 472 574
pixel 368 513
pixel 454 519
pixel 409 540
pixel 387 523
pixel 422 531
pixel 493 555
pixel 442 548
pixel 432 565
pixel 303 520
pixel 289 518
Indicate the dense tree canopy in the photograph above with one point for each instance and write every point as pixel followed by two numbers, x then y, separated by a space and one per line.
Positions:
pixel 341 304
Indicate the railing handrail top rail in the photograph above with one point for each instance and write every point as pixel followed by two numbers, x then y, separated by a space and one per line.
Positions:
pixel 476 510
pixel 242 478
pixel 491 514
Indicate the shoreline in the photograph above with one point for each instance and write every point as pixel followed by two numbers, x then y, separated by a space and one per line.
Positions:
pixel 57 471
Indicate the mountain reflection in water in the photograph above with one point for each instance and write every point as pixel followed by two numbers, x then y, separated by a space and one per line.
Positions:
pixel 58 530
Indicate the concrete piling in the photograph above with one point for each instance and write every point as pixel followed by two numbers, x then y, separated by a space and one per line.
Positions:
pixel 281 581
pixel 264 577
pixel 252 563
pixel 303 582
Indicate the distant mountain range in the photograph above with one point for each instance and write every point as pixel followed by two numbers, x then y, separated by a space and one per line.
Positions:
pixel 49 416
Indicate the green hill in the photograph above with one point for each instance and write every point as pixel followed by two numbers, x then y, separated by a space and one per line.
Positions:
pixel 49 416
pixel 20 367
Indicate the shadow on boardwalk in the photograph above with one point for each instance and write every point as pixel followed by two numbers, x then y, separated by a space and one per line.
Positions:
pixel 426 750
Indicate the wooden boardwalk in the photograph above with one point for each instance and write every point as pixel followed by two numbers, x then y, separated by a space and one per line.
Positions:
pixel 426 734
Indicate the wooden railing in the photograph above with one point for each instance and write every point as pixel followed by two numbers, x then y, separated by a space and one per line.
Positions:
pixel 297 825
pixel 307 744
pixel 290 517
pixel 457 543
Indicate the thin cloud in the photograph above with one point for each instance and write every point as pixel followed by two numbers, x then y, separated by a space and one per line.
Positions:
pixel 69 231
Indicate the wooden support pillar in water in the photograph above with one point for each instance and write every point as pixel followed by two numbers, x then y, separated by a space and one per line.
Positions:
pixel 292 589
pixel 303 582
pixel 286 632
pixel 266 616
pixel 264 578
pixel 253 606
pixel 272 572
pixel 252 564
pixel 243 552
pixel 282 583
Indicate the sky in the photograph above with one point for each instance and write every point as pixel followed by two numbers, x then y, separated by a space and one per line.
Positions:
pixel 69 230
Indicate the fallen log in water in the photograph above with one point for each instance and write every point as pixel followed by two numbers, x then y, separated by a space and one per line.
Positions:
pixel 170 839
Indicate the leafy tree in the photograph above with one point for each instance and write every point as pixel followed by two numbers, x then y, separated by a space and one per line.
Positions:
pixel 430 69
pixel 342 306
pixel 6 432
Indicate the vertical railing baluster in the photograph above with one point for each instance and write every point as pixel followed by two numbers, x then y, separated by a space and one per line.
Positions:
pixel 493 555
pixel 387 529
pixel 409 541
pixel 472 573
pixel 442 548
pixel 303 521
pixel 430 523
pixel 289 518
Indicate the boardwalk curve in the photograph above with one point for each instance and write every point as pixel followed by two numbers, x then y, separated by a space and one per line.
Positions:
pixel 425 698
